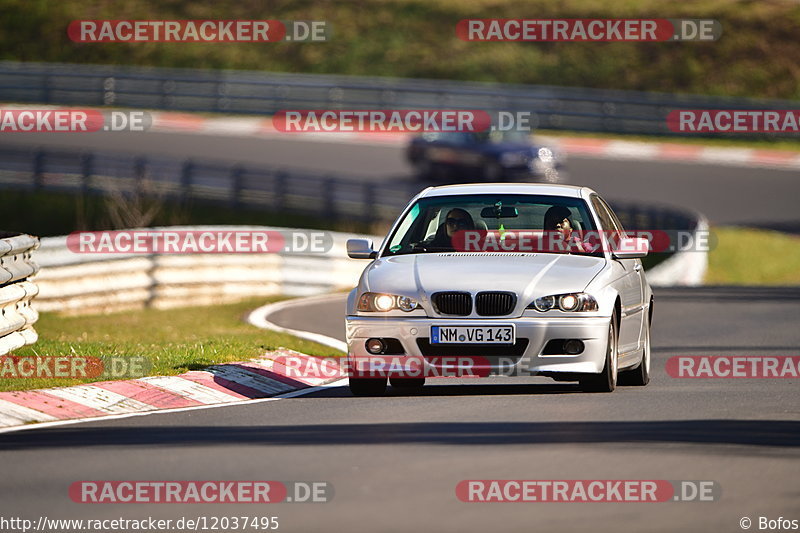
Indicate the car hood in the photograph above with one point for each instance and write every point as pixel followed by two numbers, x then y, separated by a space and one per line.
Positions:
pixel 527 275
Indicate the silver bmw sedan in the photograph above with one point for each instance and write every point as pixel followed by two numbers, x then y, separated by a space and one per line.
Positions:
pixel 501 279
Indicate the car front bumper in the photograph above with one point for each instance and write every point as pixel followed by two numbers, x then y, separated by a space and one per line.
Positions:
pixel 525 358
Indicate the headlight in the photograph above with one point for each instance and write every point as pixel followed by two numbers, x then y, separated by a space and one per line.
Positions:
pixel 406 304
pixel 383 302
pixel 544 304
pixel 572 302
pixel 546 155
pixel 568 302
pixel 379 302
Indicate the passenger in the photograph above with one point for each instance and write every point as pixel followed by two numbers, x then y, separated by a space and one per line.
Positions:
pixel 559 219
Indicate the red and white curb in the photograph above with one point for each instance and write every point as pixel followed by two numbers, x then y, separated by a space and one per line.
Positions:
pixel 675 152
pixel 244 126
pixel 259 379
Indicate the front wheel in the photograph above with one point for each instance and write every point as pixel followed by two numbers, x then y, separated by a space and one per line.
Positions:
pixel 639 376
pixel 606 381
pixel 368 386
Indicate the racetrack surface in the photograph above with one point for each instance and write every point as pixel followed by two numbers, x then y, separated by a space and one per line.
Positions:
pixel 395 461
pixel 725 194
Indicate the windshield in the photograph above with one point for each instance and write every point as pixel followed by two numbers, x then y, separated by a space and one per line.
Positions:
pixel 503 136
pixel 481 137
pixel 447 223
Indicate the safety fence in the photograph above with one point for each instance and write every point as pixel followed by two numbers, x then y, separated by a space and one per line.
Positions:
pixel 17 316
pixel 264 93
pixel 323 196
pixel 80 283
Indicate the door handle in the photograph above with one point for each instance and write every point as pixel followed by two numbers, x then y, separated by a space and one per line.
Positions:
pixel 637 267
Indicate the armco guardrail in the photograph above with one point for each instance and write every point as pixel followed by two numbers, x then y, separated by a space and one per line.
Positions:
pixel 17 316
pixel 248 92
pixel 323 196
pixel 75 283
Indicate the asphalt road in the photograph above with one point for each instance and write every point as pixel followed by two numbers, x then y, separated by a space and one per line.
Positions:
pixel 395 461
pixel 726 195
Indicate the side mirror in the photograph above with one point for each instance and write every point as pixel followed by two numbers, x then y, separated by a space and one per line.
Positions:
pixel 631 248
pixel 360 249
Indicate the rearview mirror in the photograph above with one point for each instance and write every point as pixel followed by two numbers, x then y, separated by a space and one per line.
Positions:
pixel 506 211
pixel 631 248
pixel 360 249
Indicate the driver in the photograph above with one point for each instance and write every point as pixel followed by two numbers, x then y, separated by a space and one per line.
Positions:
pixel 457 219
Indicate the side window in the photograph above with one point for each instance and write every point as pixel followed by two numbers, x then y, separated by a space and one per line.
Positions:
pixel 617 223
pixel 606 220
pixel 611 226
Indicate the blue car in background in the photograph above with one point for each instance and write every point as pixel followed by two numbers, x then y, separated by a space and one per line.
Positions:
pixel 483 156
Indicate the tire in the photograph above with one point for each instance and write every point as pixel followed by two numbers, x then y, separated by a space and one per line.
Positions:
pixel 407 383
pixel 606 381
pixel 639 376
pixel 368 386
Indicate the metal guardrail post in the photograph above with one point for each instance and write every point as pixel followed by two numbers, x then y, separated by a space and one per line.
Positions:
pixel 87 166
pixel 46 89
pixel 139 174
pixel 186 179
pixel 329 195
pixel 38 170
pixel 281 178
pixel 237 181
pixel 369 202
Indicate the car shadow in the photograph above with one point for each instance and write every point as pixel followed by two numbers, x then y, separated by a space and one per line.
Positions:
pixel 775 434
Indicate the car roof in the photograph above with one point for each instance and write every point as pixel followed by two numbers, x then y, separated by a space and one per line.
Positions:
pixel 571 191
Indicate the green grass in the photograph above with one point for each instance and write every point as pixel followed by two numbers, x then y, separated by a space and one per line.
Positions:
pixel 745 256
pixel 756 55
pixel 173 341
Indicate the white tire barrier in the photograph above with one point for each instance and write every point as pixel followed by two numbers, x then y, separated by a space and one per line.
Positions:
pixel 16 314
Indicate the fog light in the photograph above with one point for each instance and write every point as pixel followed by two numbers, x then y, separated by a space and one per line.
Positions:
pixel 375 346
pixel 573 346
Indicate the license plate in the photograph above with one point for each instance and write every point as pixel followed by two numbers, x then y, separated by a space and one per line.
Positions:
pixel 472 334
